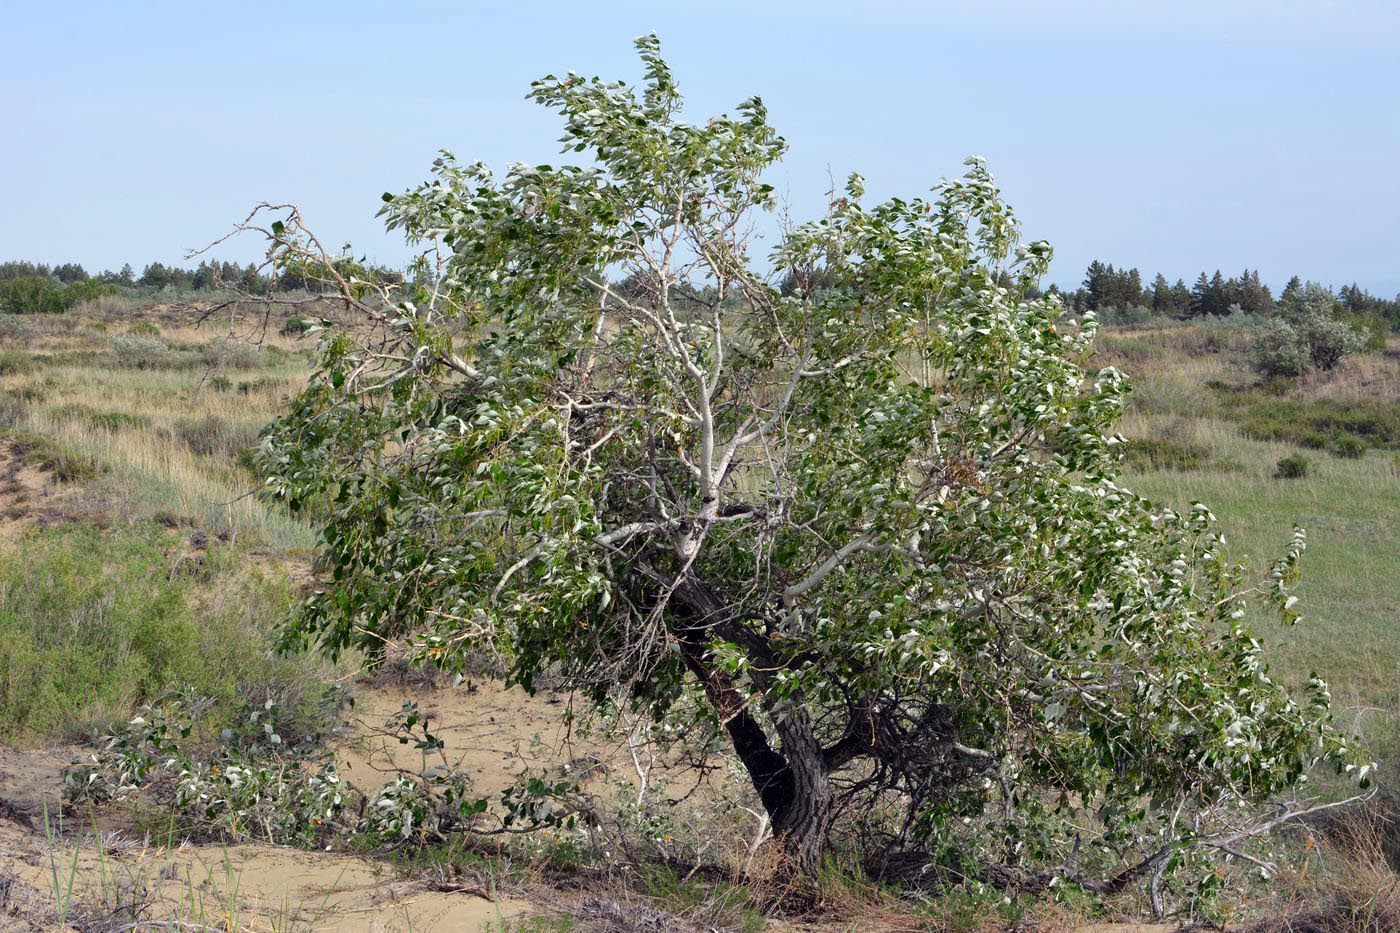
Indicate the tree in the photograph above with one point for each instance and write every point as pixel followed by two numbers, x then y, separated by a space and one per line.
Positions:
pixel 871 534
pixel 1251 294
pixel 1096 285
pixel 1161 295
pixel 1306 334
pixel 1181 298
pixel 1201 299
pixel 69 272
pixel 155 275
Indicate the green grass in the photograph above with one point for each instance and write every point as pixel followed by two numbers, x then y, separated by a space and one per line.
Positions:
pixel 1349 503
pixel 94 620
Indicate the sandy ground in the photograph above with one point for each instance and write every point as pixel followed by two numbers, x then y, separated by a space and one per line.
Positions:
pixel 23 490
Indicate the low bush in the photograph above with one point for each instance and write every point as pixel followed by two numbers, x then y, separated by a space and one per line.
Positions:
pixel 1372 327
pixel 1350 447
pixel 268 776
pixel 1309 333
pixel 15 329
pixel 44 453
pixel 105 420
pixel 1279 352
pixel 212 435
pixel 1165 454
pixel 226 353
pixel 295 327
pixel 1294 466
pixel 142 352
pixel 1374 421
pixel 144 329
pixel 16 362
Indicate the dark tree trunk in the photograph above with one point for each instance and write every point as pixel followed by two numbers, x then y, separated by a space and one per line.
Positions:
pixel 791 782
pixel 800 821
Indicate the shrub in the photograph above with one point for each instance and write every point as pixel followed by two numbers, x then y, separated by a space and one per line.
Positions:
pixel 1278 351
pixel 1307 334
pixel 42 295
pixel 1294 466
pixel 1328 341
pixel 16 362
pixel 1313 440
pixel 32 295
pixel 295 327
pixel 140 352
pixel 266 775
pixel 44 453
pixel 1129 316
pixel 1349 447
pixel 212 435
pixel 227 353
pixel 144 329
pixel 16 329
pixel 1163 454
pixel 1372 327
pixel 106 420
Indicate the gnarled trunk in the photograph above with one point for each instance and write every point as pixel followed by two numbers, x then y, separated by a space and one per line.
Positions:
pixel 800 821
pixel 792 782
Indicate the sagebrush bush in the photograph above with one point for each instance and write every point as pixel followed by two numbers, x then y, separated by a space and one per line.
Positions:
pixel 1308 334
pixel 225 353
pixel 141 352
pixel 16 329
pixel 1278 351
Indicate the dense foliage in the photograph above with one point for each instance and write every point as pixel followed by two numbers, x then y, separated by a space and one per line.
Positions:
pixel 42 295
pixel 871 532
pixel 1306 334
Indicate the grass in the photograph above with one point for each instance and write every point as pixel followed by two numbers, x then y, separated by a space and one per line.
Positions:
pixel 95 620
pixel 169 439
pixel 161 570
pixel 142 887
pixel 1348 501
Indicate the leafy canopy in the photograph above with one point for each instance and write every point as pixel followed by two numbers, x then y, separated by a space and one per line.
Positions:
pixel 872 530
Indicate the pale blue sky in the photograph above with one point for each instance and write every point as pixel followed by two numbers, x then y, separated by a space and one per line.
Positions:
pixel 1170 136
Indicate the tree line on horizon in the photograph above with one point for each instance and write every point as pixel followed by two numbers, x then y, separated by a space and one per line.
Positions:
pixel 32 287
pixel 1106 287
